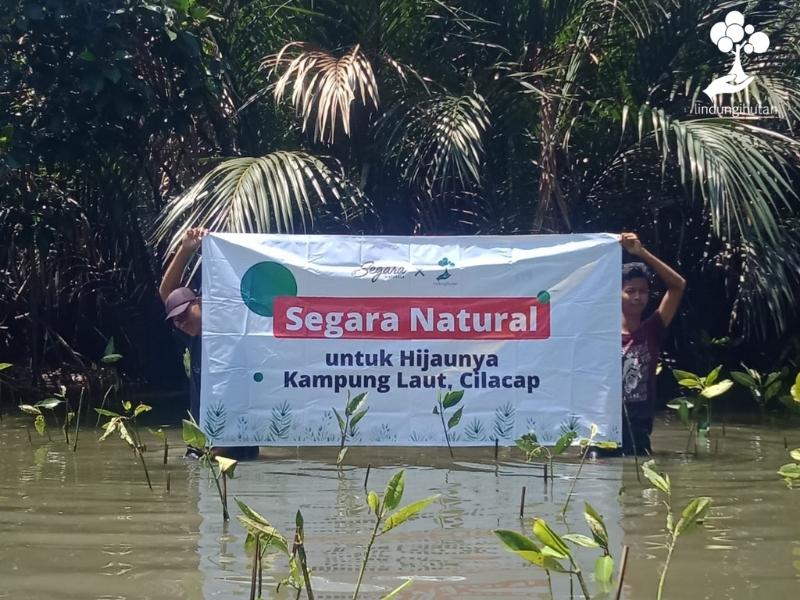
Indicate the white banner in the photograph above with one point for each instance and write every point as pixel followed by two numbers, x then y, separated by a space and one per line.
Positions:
pixel 528 327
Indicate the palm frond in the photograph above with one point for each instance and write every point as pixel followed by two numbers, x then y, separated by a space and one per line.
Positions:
pixel 437 143
pixel 258 195
pixel 324 87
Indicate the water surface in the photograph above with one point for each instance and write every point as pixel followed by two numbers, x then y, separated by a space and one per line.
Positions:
pixel 85 525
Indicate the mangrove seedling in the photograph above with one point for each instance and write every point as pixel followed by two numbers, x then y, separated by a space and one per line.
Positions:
pixel 348 423
pixel 694 408
pixel 39 422
pixel 125 426
pixel 110 357
pixel 547 557
pixel 219 467
pixel 162 435
pixel 443 402
pixel 763 388
pixel 262 538
pixel 381 507
pixel 584 444
pixel 532 448
pixel 791 471
pixel 690 516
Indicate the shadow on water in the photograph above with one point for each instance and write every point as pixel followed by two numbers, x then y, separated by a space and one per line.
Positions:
pixel 85 526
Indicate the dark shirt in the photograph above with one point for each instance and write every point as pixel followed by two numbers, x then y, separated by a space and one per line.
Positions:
pixel 640 352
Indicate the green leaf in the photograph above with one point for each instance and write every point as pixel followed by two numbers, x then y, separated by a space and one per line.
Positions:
pixel 717 389
pixel 453 420
pixel 356 418
pixel 269 535
pixel 251 514
pixel 452 398
pixel 657 480
pixel 39 424
pixel 125 434
pixel 694 512
pixel 49 403
pixel 111 358
pixel 355 403
pixel 527 550
pixel 31 410
pixel 550 538
pixel 795 454
pixel 564 442
pixel 373 502
pixel 159 433
pixel 685 375
pixel 773 390
pixel 691 384
pixel 340 457
pixel 713 375
pixel 795 390
pixel 193 436
pixel 405 513
pixel 4 366
pixel 394 491
pixel 604 569
pixel 110 426
pixel 527 443
pixel 109 349
pixel 436 409
pixel 106 413
pixel 341 421
pixel 790 471
pixel 398 589
pixel 171 34
pixel 126 405
pixel 744 379
pixel 596 524
pixel 226 465
pixel 580 540
pixel 140 408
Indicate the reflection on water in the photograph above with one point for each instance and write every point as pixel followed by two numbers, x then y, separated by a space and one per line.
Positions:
pixel 86 526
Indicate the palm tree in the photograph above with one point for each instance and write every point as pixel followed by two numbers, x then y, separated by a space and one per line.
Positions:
pixel 518 116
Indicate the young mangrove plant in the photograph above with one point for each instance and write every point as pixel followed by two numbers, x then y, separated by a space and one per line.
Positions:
pixel 694 408
pixel 353 413
pixel 125 426
pixel 690 516
pixel 36 410
pixel 443 402
pixel 220 468
pixel 584 445
pixel 111 358
pixel 791 471
pixel 533 449
pixel 762 387
pixel 385 522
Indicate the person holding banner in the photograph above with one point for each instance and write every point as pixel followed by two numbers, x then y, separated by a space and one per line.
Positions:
pixel 184 309
pixel 642 340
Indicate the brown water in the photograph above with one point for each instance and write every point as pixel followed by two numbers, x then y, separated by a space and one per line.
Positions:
pixel 85 526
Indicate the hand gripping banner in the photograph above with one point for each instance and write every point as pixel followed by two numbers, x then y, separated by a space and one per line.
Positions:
pixel 528 327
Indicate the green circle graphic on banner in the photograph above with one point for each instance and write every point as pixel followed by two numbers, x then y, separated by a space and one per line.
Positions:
pixel 263 282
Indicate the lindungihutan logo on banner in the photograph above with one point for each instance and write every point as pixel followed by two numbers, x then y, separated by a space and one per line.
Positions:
pixel 736 37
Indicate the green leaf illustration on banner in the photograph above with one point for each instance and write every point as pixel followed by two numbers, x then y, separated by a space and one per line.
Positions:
pixel 504 421
pixel 475 431
pixel 215 420
pixel 280 423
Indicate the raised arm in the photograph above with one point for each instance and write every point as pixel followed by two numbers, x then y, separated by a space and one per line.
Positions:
pixel 173 276
pixel 671 278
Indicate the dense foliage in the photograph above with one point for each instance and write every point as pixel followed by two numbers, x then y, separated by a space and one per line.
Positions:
pixel 123 122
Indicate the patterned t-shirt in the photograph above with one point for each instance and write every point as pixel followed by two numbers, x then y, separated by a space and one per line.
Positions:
pixel 640 352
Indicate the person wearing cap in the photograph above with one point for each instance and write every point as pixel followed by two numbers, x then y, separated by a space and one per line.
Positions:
pixel 184 309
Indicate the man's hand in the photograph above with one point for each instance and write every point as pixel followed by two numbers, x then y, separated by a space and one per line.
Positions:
pixel 631 243
pixel 194 236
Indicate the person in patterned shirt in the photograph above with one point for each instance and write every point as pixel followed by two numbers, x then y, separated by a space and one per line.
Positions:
pixel 642 340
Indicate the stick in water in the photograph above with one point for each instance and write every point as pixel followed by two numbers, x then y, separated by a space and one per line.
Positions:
pixel 623 563
pixel 522 503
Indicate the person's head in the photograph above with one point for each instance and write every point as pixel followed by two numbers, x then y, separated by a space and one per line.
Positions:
pixel 184 310
pixel 635 288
